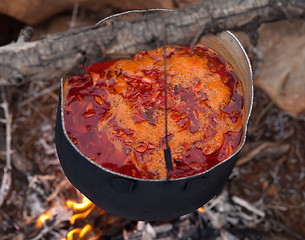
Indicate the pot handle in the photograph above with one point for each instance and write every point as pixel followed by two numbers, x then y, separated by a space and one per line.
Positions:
pixel 195 184
pixel 123 185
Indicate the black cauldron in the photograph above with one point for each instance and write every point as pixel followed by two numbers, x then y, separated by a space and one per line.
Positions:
pixel 152 200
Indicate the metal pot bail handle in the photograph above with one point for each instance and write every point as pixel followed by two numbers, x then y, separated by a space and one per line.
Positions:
pixel 123 185
pixel 167 151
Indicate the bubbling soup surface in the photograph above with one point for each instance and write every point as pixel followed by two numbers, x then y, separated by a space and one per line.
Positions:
pixel 114 113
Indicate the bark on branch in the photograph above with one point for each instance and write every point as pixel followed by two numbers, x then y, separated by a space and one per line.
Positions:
pixel 59 54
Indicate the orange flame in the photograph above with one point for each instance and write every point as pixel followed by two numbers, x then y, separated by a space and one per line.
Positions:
pixel 80 215
pixel 86 203
pixel 87 232
pixel 42 218
pixel 201 210
pixel 86 206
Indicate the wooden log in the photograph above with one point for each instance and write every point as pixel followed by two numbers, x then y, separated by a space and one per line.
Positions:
pixel 63 53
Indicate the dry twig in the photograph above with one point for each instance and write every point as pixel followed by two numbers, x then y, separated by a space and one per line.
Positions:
pixel 63 184
pixel 6 180
pixel 248 206
pixel 45 91
pixel 275 148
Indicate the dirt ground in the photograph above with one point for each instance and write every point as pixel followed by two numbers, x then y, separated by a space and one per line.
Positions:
pixel 269 174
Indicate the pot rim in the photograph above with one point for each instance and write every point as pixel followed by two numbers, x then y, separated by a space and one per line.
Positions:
pixel 245 127
pixel 135 11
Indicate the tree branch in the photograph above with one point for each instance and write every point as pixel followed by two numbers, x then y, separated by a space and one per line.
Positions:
pixel 59 54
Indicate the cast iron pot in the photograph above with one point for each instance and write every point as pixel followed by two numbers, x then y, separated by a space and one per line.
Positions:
pixel 152 200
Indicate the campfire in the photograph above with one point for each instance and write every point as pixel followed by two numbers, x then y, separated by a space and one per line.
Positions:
pixel 86 221
pixel 82 213
pixel 82 225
